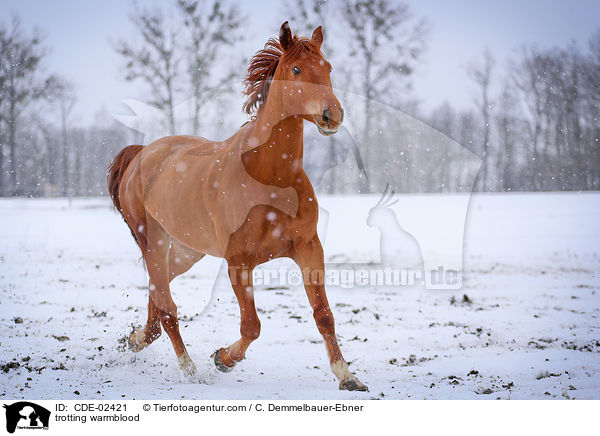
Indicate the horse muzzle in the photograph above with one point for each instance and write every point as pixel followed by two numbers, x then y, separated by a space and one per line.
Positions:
pixel 330 120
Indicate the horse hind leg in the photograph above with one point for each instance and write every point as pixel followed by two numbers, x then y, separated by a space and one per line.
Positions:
pixel 181 259
pixel 165 309
pixel 141 337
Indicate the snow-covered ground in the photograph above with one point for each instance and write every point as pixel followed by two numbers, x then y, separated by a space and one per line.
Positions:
pixel 71 284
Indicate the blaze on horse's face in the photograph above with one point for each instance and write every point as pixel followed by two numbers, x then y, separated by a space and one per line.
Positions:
pixel 306 84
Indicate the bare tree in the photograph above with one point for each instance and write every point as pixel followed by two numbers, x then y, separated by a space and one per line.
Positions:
pixel 527 78
pixel 3 97
pixel 66 100
pixel 443 118
pixel 481 74
pixel 387 42
pixel 209 29
pixel 592 109
pixel 23 81
pixel 507 123
pixel 50 156
pixel 155 60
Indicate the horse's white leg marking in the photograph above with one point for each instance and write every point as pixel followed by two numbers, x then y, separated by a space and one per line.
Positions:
pixel 187 365
pixel 137 338
pixel 348 381
pixel 341 371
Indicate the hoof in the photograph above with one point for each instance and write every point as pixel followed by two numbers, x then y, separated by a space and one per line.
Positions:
pixel 187 366
pixel 219 363
pixel 134 344
pixel 353 384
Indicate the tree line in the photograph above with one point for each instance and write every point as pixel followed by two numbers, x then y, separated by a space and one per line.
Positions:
pixel 534 122
pixel 539 130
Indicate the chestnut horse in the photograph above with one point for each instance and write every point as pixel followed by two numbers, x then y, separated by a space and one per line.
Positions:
pixel 246 199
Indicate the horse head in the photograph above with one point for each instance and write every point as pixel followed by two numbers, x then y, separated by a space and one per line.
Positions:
pixel 294 73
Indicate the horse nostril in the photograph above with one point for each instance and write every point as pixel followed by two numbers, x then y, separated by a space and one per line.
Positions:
pixel 341 115
pixel 326 116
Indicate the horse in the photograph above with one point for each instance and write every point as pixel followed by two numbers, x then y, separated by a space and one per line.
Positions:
pixel 246 199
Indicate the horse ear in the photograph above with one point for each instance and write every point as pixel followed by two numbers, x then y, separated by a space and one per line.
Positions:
pixel 317 36
pixel 285 36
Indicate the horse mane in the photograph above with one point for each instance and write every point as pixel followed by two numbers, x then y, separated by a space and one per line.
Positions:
pixel 263 65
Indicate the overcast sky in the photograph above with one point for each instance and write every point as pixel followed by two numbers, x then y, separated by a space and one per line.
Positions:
pixel 79 34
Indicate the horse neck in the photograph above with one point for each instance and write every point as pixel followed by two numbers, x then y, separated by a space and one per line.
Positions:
pixel 278 159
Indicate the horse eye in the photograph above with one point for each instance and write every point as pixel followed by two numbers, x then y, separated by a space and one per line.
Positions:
pixel 296 71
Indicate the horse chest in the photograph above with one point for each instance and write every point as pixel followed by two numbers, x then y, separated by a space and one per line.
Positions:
pixel 304 225
pixel 308 213
pixel 271 233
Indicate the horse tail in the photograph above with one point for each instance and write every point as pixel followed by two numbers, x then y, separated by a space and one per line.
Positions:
pixel 117 168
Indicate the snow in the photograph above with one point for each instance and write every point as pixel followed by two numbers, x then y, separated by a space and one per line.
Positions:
pixel 528 328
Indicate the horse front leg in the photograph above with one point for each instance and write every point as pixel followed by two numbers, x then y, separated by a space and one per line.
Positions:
pixel 240 274
pixel 310 260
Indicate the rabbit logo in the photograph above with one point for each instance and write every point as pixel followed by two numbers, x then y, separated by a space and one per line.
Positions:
pixel 398 248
